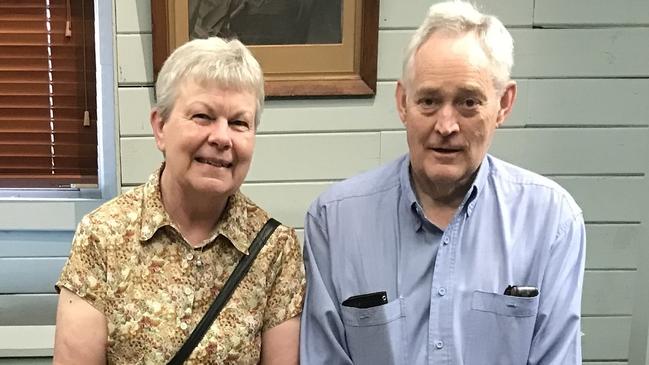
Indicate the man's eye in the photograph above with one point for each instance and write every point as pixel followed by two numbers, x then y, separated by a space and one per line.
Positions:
pixel 470 103
pixel 427 102
pixel 200 117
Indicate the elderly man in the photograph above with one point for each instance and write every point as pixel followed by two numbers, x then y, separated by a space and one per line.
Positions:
pixel 447 255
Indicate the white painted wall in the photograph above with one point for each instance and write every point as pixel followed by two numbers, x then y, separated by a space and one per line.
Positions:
pixel 581 118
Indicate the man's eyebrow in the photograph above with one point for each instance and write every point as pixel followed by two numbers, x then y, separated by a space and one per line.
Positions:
pixel 471 90
pixel 428 91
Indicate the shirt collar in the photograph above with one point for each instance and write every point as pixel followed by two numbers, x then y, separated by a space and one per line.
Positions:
pixel 408 193
pixel 484 170
pixel 468 203
pixel 230 225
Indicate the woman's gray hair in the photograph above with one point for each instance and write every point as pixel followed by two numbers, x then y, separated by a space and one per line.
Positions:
pixel 227 63
pixel 459 17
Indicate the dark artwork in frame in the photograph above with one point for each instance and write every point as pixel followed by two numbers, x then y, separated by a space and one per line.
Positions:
pixel 265 22
pixel 307 48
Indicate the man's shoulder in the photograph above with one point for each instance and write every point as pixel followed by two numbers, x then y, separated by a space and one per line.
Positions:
pixel 508 173
pixel 534 185
pixel 365 185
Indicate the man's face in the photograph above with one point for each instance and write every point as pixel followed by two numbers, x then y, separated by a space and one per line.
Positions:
pixel 450 108
pixel 208 140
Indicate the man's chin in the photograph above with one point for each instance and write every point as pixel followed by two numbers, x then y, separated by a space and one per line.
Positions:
pixel 445 175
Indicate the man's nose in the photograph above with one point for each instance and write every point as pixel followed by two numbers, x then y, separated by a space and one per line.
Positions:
pixel 447 120
pixel 219 134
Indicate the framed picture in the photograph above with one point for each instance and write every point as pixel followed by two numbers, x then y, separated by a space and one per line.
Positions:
pixel 305 47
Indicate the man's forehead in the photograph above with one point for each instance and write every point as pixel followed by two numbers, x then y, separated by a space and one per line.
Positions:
pixel 445 46
pixel 451 61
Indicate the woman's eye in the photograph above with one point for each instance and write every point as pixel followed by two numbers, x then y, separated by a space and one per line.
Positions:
pixel 241 124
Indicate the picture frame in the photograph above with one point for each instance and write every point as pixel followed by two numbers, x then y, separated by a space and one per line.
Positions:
pixel 347 68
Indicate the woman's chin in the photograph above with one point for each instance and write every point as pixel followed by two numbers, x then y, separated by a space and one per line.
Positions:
pixel 217 188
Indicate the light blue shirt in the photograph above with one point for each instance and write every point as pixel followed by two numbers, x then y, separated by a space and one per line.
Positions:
pixel 444 287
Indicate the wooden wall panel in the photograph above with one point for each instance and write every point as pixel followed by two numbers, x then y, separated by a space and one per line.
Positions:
pixel 608 293
pixel 134 16
pixel 576 13
pixel 28 309
pixel 134 59
pixel 30 275
pixel 605 338
pixel 393 13
pixel 550 53
pixel 34 243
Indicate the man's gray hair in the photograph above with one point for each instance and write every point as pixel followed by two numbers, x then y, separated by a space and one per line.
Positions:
pixel 459 17
pixel 228 64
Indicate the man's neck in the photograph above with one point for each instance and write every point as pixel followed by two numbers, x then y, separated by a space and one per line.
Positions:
pixel 440 201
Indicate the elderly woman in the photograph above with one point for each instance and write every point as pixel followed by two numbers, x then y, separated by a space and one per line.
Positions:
pixel 145 266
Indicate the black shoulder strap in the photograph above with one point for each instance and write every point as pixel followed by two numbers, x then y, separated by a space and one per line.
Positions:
pixel 239 272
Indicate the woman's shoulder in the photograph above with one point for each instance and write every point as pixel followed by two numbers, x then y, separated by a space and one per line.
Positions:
pixel 116 214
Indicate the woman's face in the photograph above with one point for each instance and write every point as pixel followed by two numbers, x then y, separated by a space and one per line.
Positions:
pixel 208 140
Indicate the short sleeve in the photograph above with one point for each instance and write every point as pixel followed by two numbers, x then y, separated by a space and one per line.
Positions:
pixel 84 272
pixel 286 295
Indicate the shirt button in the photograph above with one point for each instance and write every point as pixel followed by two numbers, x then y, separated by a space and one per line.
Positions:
pixel 439 344
pixel 189 257
pixel 188 290
pixel 441 291
pixel 183 326
pixel 446 240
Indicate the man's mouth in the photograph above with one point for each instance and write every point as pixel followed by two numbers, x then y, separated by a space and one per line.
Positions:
pixel 214 162
pixel 445 150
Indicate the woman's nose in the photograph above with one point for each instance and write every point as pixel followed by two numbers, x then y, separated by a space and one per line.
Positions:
pixel 219 134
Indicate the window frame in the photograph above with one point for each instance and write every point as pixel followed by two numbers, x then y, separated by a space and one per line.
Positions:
pixel 106 125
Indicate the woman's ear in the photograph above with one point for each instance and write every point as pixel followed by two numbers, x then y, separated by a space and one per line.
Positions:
pixel 157 125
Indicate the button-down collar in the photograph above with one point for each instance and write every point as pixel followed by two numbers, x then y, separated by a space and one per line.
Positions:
pixel 468 202
pixel 155 217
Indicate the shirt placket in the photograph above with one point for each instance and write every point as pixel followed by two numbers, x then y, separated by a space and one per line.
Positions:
pixel 186 320
pixel 440 320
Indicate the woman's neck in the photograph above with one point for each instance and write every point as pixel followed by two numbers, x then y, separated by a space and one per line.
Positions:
pixel 194 213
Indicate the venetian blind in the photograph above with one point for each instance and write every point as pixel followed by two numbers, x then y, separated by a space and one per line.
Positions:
pixel 48 129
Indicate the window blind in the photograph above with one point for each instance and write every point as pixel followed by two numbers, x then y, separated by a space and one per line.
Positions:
pixel 48 129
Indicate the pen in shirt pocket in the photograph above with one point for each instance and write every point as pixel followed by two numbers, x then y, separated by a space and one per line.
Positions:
pixel 521 291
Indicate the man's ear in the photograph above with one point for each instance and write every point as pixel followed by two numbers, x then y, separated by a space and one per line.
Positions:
pixel 157 125
pixel 506 102
pixel 401 100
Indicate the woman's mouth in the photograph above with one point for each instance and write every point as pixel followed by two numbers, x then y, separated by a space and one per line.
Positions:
pixel 214 162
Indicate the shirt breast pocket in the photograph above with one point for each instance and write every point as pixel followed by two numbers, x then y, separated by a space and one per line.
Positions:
pixel 375 335
pixel 499 329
